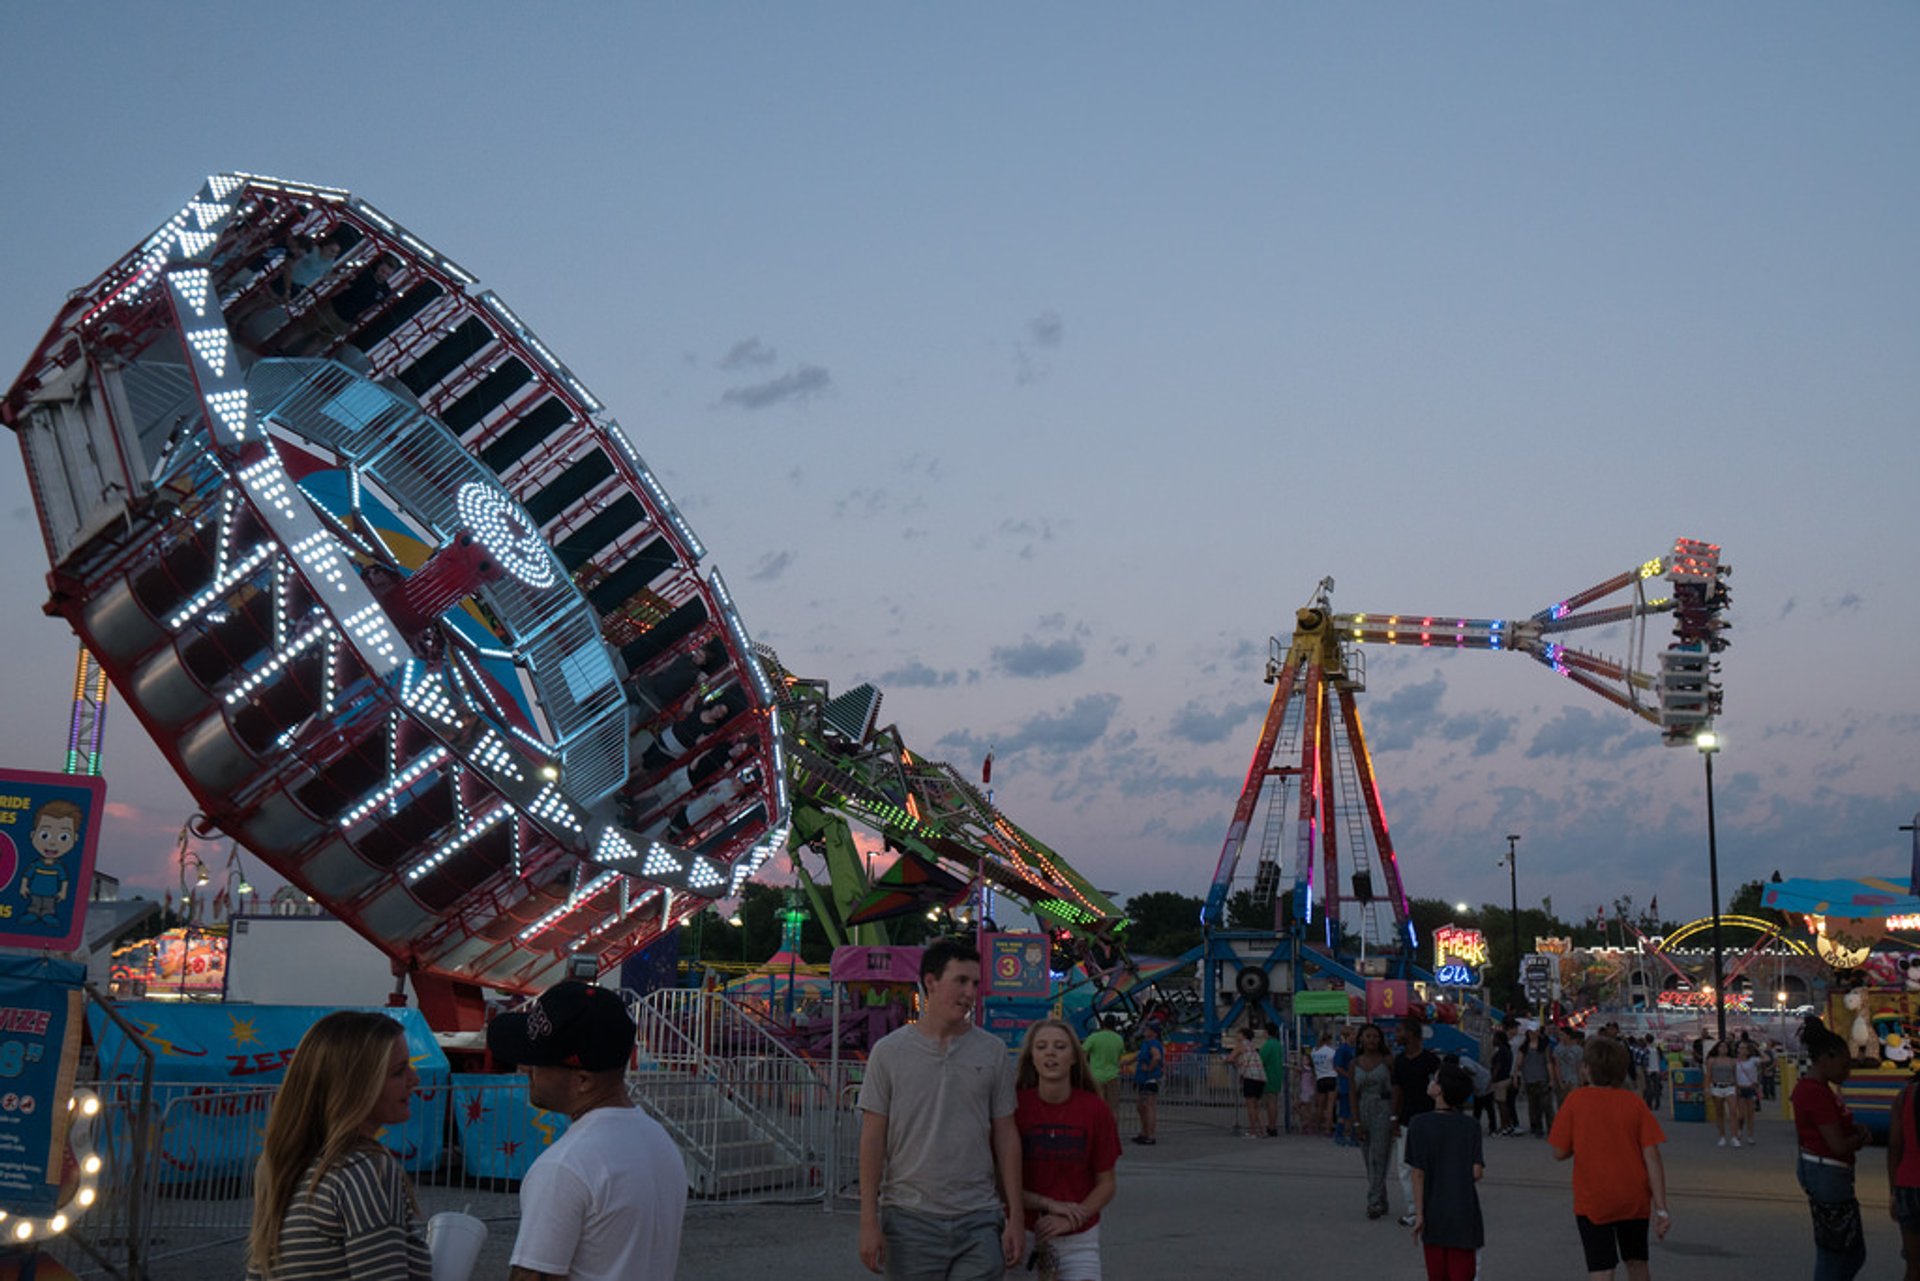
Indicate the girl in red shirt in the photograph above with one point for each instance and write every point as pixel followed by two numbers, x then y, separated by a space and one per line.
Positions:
pixel 1828 1139
pixel 1903 1176
pixel 1069 1146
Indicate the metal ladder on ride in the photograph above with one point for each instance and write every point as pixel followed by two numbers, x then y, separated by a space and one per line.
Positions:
pixel 749 1115
pixel 1357 833
pixel 1268 872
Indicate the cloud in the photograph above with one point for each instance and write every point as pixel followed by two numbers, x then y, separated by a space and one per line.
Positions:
pixel 1028 533
pixel 1038 659
pixel 861 502
pixel 748 353
pixel 1845 603
pixel 1404 715
pixel 1074 729
pixel 770 566
pixel 1196 724
pixel 1489 731
pixel 917 673
pixel 1044 333
pixel 1579 732
pixel 799 384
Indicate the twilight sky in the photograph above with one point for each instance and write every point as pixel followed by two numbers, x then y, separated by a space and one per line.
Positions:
pixel 1035 362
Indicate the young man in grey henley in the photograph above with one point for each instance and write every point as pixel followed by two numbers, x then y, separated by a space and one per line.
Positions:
pixel 939 1154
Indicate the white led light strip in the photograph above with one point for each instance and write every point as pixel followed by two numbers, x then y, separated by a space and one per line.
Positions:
pixel 318 632
pixel 472 832
pixel 574 900
pixel 400 783
pixel 212 346
pixel 225 583
pixel 193 286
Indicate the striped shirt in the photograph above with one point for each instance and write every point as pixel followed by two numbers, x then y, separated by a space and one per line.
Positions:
pixel 356 1224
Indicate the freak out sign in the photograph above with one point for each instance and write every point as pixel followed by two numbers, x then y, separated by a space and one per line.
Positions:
pixel 1458 945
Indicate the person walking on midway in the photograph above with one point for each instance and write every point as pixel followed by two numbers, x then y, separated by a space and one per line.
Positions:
pixel 1069 1146
pixel 1445 1153
pixel 606 1202
pixel 1412 1069
pixel 329 1203
pixel 1253 1077
pixel 1535 1070
pixel 1619 1181
pixel 1721 1088
pixel 1273 1058
pixel 1746 1091
pixel 1504 1084
pixel 1105 1047
pixel 1903 1176
pixel 1149 1065
pixel 1372 1078
pixel 1326 1081
pixel 936 1122
pixel 1828 1140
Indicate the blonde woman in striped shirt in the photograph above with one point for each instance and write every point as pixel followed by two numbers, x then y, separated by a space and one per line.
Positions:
pixel 329 1203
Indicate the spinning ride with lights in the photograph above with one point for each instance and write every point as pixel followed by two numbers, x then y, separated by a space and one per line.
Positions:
pixel 952 843
pixel 1312 766
pixel 394 593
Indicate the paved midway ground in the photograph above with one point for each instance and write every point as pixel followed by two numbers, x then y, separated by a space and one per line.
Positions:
pixel 1207 1202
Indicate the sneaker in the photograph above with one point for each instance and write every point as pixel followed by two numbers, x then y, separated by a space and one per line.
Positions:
pixel 1723 1142
pixel 1736 1143
pixel 1406 1220
pixel 1273 1132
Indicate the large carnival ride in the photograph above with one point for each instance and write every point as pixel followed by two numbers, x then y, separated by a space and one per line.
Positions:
pixel 1312 766
pixel 402 605
pixel 416 624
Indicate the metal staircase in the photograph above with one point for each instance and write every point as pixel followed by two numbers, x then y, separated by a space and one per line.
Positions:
pixel 751 1117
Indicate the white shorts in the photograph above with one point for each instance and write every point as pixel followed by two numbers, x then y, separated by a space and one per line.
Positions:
pixel 1075 1258
pixel 1721 1091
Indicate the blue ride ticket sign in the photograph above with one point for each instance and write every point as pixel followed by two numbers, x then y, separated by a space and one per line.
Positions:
pixel 40 1022
pixel 1016 966
pixel 49 830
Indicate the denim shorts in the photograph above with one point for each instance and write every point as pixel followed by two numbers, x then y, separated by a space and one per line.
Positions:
pixel 962 1249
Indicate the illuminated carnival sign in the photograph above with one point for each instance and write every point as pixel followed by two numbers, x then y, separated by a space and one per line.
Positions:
pixel 1457 976
pixel 1702 1000
pixel 1456 945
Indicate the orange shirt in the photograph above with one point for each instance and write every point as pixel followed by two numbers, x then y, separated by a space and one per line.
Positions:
pixel 1606 1128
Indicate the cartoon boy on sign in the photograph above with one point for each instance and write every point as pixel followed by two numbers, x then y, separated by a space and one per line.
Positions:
pixel 56 833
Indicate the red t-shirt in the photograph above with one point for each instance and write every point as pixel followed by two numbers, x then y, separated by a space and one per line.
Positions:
pixel 1064 1146
pixel 1908 1173
pixel 1815 1103
pixel 1606 1129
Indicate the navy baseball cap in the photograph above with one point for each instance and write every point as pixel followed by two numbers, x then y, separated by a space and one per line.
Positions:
pixel 571 1024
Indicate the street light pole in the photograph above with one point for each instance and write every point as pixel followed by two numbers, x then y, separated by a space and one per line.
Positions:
pixel 1513 912
pixel 1708 742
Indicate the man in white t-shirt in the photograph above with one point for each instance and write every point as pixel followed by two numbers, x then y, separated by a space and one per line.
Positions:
pixel 605 1202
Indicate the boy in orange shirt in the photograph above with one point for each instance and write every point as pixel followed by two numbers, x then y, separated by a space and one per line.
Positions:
pixel 1618 1179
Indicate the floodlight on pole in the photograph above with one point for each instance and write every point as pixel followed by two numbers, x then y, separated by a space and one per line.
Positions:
pixel 1709 742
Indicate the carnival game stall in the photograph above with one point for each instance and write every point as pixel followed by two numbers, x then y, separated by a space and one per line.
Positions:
pixel 1865 929
pixel 187 963
pixel 216 1069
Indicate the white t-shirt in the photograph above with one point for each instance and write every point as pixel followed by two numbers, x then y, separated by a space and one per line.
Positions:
pixel 605 1202
pixel 1323 1057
